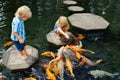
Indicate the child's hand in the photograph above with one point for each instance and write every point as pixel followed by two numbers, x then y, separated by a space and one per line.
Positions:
pixel 21 41
pixel 67 37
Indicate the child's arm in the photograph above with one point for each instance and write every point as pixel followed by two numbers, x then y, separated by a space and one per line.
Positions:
pixel 63 33
pixel 18 37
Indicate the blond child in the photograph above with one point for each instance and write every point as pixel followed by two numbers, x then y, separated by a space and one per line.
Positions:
pixel 61 26
pixel 18 32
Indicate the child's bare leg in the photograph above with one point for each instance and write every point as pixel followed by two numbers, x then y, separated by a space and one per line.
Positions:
pixel 22 54
pixel 26 52
pixel 58 35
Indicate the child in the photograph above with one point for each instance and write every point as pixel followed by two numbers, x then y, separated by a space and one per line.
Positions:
pixel 61 26
pixel 18 31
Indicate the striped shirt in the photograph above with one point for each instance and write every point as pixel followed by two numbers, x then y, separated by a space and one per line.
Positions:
pixel 18 26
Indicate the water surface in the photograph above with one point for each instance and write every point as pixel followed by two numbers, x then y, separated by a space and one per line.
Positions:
pixel 105 43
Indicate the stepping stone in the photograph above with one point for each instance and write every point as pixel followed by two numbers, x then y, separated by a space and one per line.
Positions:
pixel 69 2
pixel 51 38
pixel 75 8
pixel 13 61
pixel 88 21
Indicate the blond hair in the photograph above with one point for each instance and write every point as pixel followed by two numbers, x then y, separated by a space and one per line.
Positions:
pixel 24 11
pixel 62 21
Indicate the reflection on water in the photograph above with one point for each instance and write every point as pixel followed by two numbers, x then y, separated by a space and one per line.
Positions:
pixel 106 44
pixel 2 14
pixel 100 5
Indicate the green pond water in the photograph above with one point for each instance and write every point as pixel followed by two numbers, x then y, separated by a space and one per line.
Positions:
pixel 105 43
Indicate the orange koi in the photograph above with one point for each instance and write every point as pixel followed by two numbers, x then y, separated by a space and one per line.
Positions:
pixel 79 37
pixel 9 43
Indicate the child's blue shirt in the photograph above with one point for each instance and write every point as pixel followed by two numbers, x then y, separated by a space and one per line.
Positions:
pixel 56 27
pixel 18 26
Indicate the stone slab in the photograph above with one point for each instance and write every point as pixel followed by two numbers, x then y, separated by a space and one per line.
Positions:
pixel 88 21
pixel 51 38
pixel 75 8
pixel 13 61
pixel 69 2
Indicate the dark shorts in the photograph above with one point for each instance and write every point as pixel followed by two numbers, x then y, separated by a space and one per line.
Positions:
pixel 19 46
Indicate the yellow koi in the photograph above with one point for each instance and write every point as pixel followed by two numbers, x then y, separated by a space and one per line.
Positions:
pixel 48 53
pixel 78 55
pixel 80 50
pixel 30 78
pixel 69 67
pixel 50 75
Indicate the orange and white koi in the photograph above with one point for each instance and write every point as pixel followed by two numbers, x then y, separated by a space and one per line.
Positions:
pixel 61 69
pixel 60 63
pixel 89 62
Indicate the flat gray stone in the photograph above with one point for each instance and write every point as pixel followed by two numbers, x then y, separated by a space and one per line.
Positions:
pixel 51 38
pixel 75 8
pixel 13 61
pixel 69 2
pixel 88 21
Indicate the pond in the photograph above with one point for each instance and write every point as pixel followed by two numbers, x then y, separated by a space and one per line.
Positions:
pixel 105 43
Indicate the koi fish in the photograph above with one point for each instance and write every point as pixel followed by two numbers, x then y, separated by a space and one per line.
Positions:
pixel 80 44
pixel 60 51
pixel 100 73
pixel 60 63
pixel 70 67
pixel 61 69
pixel 78 55
pixel 54 68
pixel 50 75
pixel 72 52
pixel 80 50
pixel 2 77
pixel 89 62
pixel 69 51
pixel 9 43
pixel 79 37
pixel 48 54
pixel 72 55
pixel 30 78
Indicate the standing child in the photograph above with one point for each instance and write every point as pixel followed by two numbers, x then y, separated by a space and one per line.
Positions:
pixel 61 26
pixel 18 31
